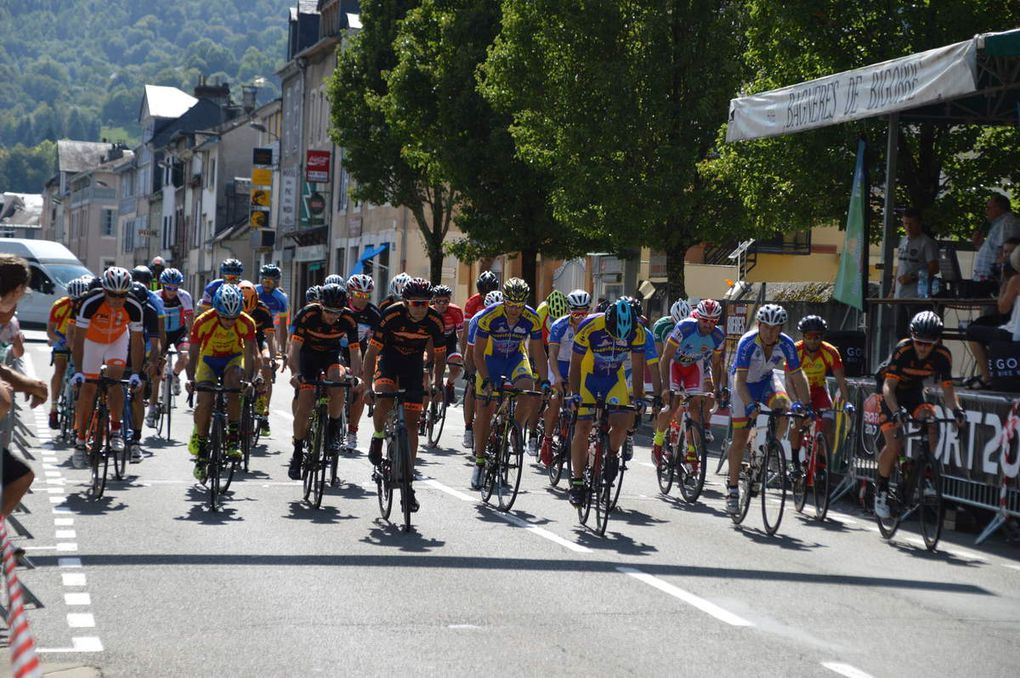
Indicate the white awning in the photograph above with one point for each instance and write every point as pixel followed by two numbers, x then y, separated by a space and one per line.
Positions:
pixel 899 84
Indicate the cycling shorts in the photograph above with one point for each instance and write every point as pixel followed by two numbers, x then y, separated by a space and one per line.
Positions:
pixel 395 370
pixel 613 389
pixel 821 400
pixel 564 367
pixel 512 369
pixel 178 338
pixel 769 391
pixel 312 363
pixel 95 355
pixel 453 354
pixel 14 468
pixel 212 368
pixel 690 378
pixel 61 345
pixel 912 400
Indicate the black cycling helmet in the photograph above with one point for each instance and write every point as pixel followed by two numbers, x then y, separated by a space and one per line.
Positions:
pixel 487 282
pixel 442 291
pixel 312 294
pixel 417 288
pixel 140 292
pixel 142 274
pixel 926 326
pixel 270 271
pixel 333 297
pixel 812 323
pixel 621 320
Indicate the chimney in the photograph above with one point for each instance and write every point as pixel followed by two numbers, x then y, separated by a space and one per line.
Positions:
pixel 215 92
pixel 249 93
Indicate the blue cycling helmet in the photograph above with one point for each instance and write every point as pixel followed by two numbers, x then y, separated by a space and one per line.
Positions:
pixel 620 319
pixel 228 301
pixel 231 267
pixel 171 276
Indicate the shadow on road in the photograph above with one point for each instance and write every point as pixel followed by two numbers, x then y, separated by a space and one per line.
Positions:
pixel 613 541
pixel 384 533
pixel 199 511
pixel 81 503
pixel 922 553
pixel 783 541
pixel 325 515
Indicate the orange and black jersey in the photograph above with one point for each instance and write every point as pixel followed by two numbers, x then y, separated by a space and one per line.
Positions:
pixel 263 322
pixel 399 333
pixel 910 372
pixel 104 324
pixel 312 332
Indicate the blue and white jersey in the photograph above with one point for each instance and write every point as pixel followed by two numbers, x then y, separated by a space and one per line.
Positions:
pixel 275 299
pixel 750 356
pixel 562 334
pixel 472 329
pixel 157 303
pixel 210 291
pixel 692 345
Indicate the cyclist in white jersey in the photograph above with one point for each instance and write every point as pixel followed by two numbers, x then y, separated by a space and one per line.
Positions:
pixel 561 347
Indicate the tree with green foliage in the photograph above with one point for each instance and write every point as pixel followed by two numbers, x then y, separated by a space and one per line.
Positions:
pixel 620 100
pixel 26 170
pixel 381 158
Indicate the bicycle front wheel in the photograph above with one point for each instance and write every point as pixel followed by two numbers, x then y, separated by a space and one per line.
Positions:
pixel 99 432
pixel 168 402
pixel 214 466
pixel 437 419
pixel 746 484
pixel 406 475
pixel 384 483
pixel 602 489
pixel 773 487
pixel 511 461
pixel 929 501
pixel 897 487
pixel 691 468
pixel 665 469
pixel 820 481
pixel 584 509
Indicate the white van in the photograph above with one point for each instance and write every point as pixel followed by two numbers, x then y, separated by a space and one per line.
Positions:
pixel 53 266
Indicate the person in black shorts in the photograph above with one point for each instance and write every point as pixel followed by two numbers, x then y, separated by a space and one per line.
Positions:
pixel 901 380
pixel 315 348
pixel 408 330
pixel 367 315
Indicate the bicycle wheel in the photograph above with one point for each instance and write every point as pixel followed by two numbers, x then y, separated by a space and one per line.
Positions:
pixel 665 469
pixel 168 402
pixel 617 485
pixel 406 476
pixel 245 431
pixel 888 526
pixel 820 482
pixel 929 501
pixel 773 487
pixel 322 464
pixel 804 485
pixel 383 482
pixel 560 452
pixel 491 469
pixel 691 474
pixel 214 466
pixel 584 509
pixel 511 461
pixel 602 488
pixel 310 458
pixel 437 419
pixel 97 453
pixel 120 460
pixel 746 483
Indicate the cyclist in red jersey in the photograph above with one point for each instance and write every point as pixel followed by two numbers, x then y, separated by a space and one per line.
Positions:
pixel 487 282
pixel 453 330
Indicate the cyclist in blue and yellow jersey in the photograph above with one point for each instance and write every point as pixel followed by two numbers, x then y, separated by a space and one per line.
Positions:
pixel 759 354
pixel 57 331
pixel 230 272
pixel 561 347
pixel 504 336
pixel 602 344
pixel 277 302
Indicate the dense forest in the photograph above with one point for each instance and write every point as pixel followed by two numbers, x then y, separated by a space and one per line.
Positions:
pixel 75 68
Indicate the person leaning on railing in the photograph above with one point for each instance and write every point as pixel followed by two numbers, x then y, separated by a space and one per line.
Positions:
pixel 980 336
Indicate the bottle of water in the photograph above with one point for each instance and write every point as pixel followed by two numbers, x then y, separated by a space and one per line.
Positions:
pixel 922 284
pixel 936 286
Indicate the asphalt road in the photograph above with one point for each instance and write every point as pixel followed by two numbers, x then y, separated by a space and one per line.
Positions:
pixel 148 582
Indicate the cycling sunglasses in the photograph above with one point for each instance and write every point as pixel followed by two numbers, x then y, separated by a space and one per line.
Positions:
pixel 361 295
pixel 170 288
pixel 417 303
pixel 514 304
pixel 116 295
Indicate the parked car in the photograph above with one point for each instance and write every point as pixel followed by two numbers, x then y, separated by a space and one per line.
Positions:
pixel 53 266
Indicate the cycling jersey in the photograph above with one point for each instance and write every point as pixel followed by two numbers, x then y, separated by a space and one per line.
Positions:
pixel 313 333
pixel 399 334
pixel 156 301
pixel 210 291
pixel 453 320
pixel 506 339
pixel 472 330
pixel 692 345
pixel 475 303
pixel 368 321
pixel 910 372
pixel 562 334
pixel 651 359
pixel 104 324
pixel 545 322
pixel 178 309
pixel 387 301
pixel 750 356
pixel 604 354
pixel 275 299
pixel 263 323
pixel 815 368
pixel 662 328
pixel 60 315
pixel 215 340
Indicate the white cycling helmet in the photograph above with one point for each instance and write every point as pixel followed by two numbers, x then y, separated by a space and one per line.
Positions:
pixel 493 297
pixel 578 299
pixel 360 282
pixel 397 284
pixel 334 279
pixel 679 310
pixel 708 308
pixel 771 314
pixel 117 279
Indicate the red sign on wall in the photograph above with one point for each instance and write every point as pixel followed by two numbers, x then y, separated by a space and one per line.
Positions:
pixel 317 167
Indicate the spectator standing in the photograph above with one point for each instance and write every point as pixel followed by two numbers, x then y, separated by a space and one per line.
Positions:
pixel 916 253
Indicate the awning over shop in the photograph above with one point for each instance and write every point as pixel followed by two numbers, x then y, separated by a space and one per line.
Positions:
pixel 368 254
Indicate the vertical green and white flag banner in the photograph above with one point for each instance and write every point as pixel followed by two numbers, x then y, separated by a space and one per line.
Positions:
pixel 851 278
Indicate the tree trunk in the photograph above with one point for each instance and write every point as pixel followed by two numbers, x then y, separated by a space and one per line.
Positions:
pixel 675 287
pixel 529 270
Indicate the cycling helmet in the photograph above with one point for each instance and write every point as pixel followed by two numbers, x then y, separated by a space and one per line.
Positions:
pixel 359 282
pixel 116 279
pixel 620 319
pixel 558 306
pixel 141 274
pixel 602 306
pixel 270 271
pixel 171 276
pixel 333 297
pixel 140 292
pixel 231 267
pixel 417 288
pixel 397 284
pixel 95 282
pixel 680 310
pixel 812 323
pixel 771 314
pixel 334 279
pixel 442 291
pixel 926 326
pixel 635 305
pixel 578 300
pixel 487 282
pixel 312 294
pixel 493 297
pixel 158 261
pixel 516 291
pixel 249 294
pixel 708 308
pixel 77 287
pixel 228 301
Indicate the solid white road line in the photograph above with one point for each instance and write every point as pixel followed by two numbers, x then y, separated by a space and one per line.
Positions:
pixel 846 670
pixel 705 606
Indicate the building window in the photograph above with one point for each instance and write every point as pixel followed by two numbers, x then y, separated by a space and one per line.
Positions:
pixel 106 222
pixel 792 242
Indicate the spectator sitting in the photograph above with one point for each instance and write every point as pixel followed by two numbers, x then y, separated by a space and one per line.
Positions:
pixel 980 336
pixel 995 319
pixel 1003 225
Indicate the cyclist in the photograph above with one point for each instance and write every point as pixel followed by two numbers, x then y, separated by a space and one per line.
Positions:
pixel 265 337
pixel 549 311
pixel 395 290
pixel 314 349
pixel 57 332
pixel 664 325
pixel 602 343
pixel 759 353
pixel 222 347
pixel 561 346
pixel 492 298
pixel 693 346
pixel 359 292
pixel 408 330
pixel 276 300
pixel 311 295
pixel 334 279
pixel 920 357
pixel 500 352
pixel 180 313
pixel 109 321
pixel 818 358
pixel 157 267
pixel 150 367
pixel 230 272
pixel 153 340
pixel 453 329
pixel 487 282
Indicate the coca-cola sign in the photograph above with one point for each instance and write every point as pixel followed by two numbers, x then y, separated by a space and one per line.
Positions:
pixel 317 167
